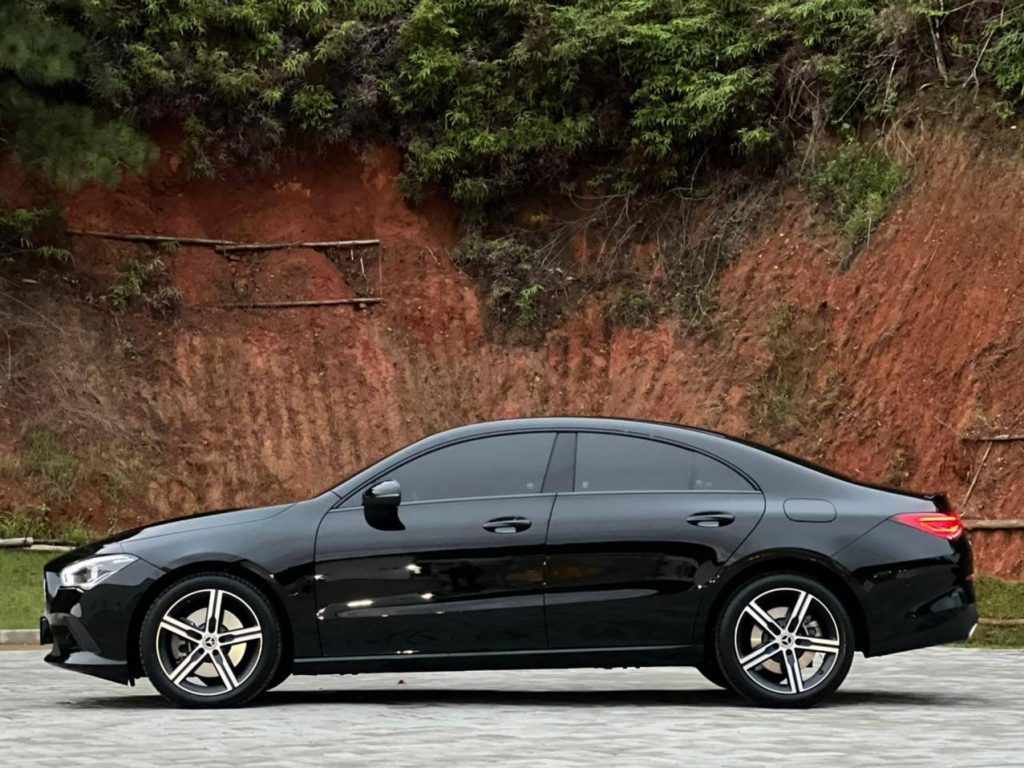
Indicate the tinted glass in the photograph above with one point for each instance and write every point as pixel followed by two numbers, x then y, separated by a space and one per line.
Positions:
pixel 620 463
pixel 711 475
pixel 491 466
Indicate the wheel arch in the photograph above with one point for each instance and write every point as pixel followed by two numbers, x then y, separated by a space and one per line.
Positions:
pixel 258 580
pixel 805 564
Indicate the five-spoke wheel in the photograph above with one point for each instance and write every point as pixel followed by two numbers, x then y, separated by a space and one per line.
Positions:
pixel 784 641
pixel 210 640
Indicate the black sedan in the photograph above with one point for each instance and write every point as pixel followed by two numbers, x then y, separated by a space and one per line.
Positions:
pixel 534 543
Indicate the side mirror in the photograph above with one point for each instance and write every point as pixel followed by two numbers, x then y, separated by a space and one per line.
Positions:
pixel 385 494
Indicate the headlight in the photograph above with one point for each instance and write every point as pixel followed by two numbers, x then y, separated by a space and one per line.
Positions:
pixel 86 574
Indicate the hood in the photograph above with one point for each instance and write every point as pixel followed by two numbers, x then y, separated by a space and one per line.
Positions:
pixel 184 524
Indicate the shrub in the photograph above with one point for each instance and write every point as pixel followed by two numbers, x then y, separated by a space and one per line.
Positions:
pixel 143 281
pixel 856 184
pixel 21 233
pixel 519 277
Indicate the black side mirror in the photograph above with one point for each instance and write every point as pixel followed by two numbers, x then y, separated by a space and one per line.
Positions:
pixel 385 494
pixel 380 506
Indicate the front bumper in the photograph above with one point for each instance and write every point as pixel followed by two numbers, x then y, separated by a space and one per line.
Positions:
pixel 91 631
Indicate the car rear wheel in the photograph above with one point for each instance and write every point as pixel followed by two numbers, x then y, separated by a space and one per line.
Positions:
pixel 211 640
pixel 784 641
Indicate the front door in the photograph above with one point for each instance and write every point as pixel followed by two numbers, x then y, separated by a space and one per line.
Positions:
pixel 456 567
pixel 647 522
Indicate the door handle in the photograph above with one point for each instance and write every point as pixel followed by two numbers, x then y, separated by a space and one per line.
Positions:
pixel 507 524
pixel 710 519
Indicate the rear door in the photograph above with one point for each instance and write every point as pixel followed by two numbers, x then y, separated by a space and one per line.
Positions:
pixel 457 567
pixel 646 522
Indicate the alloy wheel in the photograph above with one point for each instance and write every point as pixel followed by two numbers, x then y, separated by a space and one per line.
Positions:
pixel 209 642
pixel 787 641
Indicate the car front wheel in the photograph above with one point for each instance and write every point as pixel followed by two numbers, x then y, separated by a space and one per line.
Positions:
pixel 211 640
pixel 784 641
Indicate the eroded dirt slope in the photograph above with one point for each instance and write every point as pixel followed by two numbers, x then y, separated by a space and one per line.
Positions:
pixel 877 371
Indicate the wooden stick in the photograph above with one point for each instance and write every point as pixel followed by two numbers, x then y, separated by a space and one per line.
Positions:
pixel 993 439
pixel 297 244
pixel 977 474
pixel 220 244
pixel 136 238
pixel 1002 622
pixel 994 525
pixel 291 304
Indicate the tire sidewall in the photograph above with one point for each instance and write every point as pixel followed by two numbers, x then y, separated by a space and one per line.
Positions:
pixel 725 647
pixel 270 655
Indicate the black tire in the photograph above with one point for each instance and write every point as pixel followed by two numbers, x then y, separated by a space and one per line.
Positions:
pixel 712 672
pixel 811 659
pixel 222 663
pixel 282 674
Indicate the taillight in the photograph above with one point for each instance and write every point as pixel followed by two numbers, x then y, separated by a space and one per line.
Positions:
pixel 945 524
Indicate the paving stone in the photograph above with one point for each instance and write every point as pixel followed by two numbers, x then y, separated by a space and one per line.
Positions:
pixel 936 707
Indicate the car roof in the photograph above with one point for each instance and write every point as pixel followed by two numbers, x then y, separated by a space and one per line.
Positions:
pixel 772 471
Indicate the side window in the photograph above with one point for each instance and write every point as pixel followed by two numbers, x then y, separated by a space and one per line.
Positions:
pixel 489 466
pixel 622 463
pixel 711 475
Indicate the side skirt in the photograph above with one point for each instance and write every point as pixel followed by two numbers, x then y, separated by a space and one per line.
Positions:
pixel 559 658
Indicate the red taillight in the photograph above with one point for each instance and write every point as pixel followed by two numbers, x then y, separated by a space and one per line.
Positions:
pixel 945 524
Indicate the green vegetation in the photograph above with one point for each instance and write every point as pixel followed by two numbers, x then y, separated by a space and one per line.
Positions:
pixel 999 599
pixel 145 282
pixel 44 59
pixel 490 98
pixel 495 102
pixel 857 184
pixel 631 311
pixel 38 523
pixel 46 460
pixel 21 233
pixel 21 574
pixel 521 276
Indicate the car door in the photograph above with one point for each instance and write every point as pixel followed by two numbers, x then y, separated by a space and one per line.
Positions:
pixel 455 567
pixel 646 523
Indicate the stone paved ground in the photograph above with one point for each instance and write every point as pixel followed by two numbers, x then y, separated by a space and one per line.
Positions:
pixel 938 707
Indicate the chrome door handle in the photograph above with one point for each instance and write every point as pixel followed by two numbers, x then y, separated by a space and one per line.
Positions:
pixel 507 525
pixel 710 519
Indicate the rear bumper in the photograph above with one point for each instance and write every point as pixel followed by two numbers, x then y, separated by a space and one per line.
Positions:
pixel 934 628
pixel 918 588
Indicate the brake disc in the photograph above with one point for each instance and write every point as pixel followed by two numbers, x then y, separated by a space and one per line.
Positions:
pixel 809 628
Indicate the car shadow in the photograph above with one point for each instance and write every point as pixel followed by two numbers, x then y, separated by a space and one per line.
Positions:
pixel 404 696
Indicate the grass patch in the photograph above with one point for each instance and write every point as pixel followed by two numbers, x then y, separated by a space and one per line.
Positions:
pixel 38 523
pixel 785 398
pixel 1001 599
pixel 997 637
pixel 857 185
pixel 46 459
pixel 21 579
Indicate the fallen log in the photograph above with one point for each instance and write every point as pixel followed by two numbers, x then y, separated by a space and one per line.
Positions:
pixel 315 244
pixel 1002 622
pixel 220 244
pixel 292 304
pixel 992 438
pixel 16 543
pixel 994 525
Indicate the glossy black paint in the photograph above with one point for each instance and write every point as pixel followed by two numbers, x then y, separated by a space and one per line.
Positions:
pixel 551 578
